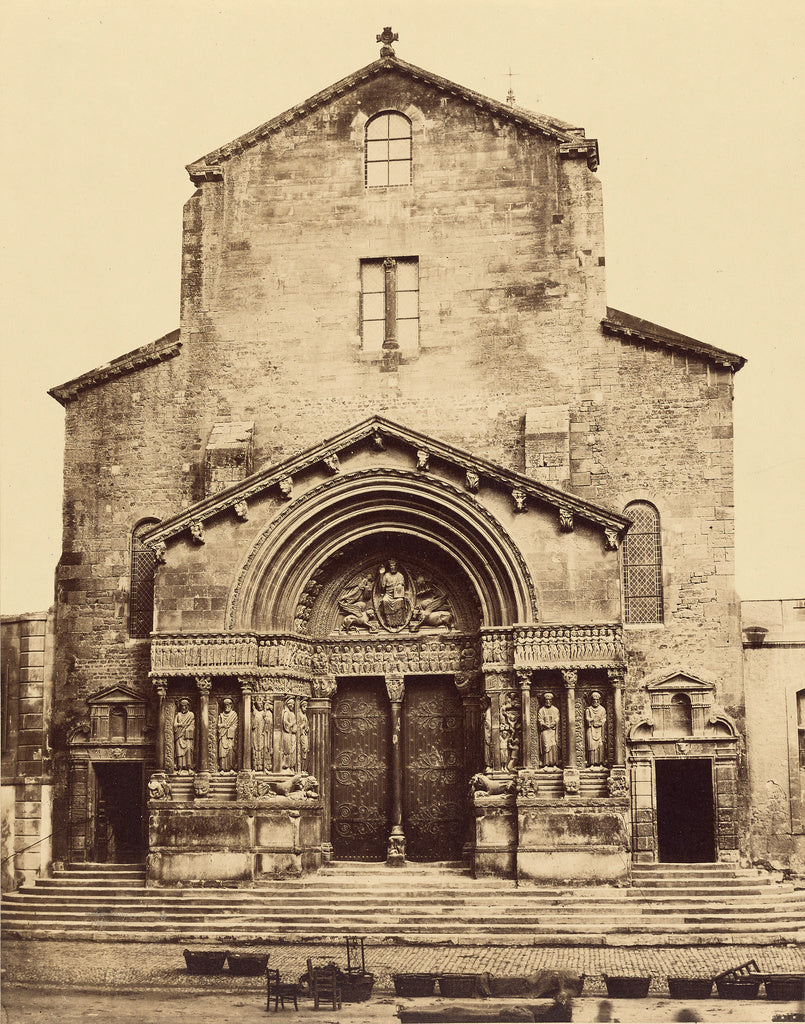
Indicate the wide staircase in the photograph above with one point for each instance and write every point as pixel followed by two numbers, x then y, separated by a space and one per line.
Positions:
pixel 679 904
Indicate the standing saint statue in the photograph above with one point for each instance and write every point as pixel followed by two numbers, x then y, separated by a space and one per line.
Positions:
pixel 258 738
pixel 288 752
pixel 184 732
pixel 268 734
pixel 596 718
pixel 548 724
pixel 227 734
pixel 488 735
pixel 304 735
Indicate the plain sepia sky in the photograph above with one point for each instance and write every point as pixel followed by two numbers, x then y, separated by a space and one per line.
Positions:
pixel 698 106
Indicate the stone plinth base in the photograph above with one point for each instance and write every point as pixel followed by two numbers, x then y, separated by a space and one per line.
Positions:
pixel 573 840
pixel 232 841
pixel 495 836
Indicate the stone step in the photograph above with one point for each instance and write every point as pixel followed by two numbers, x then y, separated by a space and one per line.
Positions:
pixel 438 902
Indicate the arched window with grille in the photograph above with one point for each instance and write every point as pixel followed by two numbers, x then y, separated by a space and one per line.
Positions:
pixel 141 594
pixel 388 150
pixel 642 565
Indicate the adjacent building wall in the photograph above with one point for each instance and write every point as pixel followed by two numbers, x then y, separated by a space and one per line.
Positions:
pixel 774 679
pixel 27 653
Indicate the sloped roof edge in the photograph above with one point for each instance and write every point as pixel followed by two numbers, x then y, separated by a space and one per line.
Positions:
pixel 157 351
pixel 633 328
pixel 380 427
pixel 573 142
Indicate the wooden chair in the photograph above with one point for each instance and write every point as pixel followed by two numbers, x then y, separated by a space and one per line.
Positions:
pixel 325 985
pixel 279 991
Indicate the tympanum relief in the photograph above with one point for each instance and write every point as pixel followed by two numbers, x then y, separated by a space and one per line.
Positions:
pixel 390 598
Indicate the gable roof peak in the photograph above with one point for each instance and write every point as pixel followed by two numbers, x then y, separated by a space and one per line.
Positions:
pixel 573 143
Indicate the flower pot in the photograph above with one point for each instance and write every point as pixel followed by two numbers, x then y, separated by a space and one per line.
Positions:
pixel 742 987
pixel 785 987
pixel 356 986
pixel 413 985
pixel 627 986
pixel 458 986
pixel 690 988
pixel 247 964
pixel 206 961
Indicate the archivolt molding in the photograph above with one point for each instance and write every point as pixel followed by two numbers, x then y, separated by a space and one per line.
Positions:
pixel 354 505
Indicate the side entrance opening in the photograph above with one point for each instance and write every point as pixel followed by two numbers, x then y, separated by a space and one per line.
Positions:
pixel 433 777
pixel 119 828
pixel 685 819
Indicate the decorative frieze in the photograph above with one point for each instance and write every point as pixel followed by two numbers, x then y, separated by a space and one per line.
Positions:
pixel 298 658
pixel 349 658
pixel 554 646
pixel 178 653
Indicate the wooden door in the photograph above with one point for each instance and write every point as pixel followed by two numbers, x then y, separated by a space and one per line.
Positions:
pixel 434 787
pixel 361 819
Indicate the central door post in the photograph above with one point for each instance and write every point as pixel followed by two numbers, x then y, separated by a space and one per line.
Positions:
pixel 395 686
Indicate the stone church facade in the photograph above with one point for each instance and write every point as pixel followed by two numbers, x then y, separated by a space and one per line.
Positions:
pixel 404 546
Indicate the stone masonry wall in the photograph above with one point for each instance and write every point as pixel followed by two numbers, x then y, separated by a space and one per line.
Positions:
pixel 509 238
pixel 27 653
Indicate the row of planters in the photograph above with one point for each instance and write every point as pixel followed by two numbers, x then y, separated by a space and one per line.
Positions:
pixel 742 982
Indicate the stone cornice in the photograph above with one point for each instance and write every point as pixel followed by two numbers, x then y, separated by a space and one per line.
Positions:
pixel 633 329
pixel 157 352
pixel 573 143
pixel 529 491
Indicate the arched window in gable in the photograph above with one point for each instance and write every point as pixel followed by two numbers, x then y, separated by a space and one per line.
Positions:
pixel 388 150
pixel 141 594
pixel 642 564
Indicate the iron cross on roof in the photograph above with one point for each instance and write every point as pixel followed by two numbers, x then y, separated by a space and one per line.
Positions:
pixel 387 37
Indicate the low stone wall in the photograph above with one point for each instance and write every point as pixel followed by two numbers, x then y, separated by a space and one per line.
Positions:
pixel 204 841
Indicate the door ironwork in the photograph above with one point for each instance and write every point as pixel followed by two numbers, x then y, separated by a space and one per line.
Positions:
pixel 434 777
pixel 361 794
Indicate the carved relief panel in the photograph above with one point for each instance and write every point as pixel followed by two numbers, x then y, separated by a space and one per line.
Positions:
pixel 387 585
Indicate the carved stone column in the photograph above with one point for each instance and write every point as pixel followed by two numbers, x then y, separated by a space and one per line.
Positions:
pixel 204 684
pixel 616 676
pixel 395 686
pixel 390 288
pixel 570 776
pixel 320 713
pixel 160 686
pixel 467 686
pixel 246 734
pixel 494 684
pixel 524 682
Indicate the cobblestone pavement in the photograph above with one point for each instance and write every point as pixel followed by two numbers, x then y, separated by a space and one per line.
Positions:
pixel 24 1006
pixel 72 981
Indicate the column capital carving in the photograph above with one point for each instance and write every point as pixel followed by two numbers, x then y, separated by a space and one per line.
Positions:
pixel 204 684
pixel 570 676
pixel 617 676
pixel 395 686
pixel 246 685
pixel 466 682
pixel 324 686
pixel 161 686
pixel 523 678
